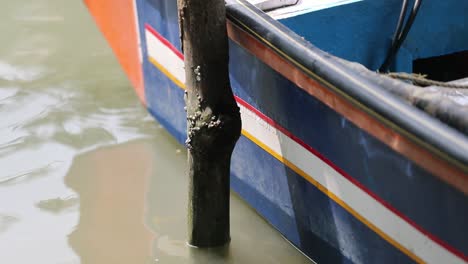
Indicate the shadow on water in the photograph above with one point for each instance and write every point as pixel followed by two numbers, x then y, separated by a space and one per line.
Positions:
pixel 133 200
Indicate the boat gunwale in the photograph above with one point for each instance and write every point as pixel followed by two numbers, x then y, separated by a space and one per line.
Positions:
pixel 361 90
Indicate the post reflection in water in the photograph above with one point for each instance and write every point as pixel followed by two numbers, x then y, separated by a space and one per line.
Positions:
pixel 86 175
pixel 133 200
pixel 112 204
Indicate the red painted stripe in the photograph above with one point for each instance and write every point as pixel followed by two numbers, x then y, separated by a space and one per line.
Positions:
pixel 330 163
pixel 352 180
pixel 421 156
pixel 164 41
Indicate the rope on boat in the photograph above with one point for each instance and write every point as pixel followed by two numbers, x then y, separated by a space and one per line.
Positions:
pixel 421 80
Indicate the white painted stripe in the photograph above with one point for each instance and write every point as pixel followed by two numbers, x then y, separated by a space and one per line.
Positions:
pixel 137 25
pixel 165 56
pixel 307 6
pixel 272 4
pixel 335 183
pixel 360 201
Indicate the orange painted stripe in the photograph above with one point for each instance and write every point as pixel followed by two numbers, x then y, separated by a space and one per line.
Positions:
pixel 310 179
pixel 166 72
pixel 439 167
pixel 333 197
pixel 117 22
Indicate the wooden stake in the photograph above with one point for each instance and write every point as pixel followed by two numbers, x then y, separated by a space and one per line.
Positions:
pixel 213 119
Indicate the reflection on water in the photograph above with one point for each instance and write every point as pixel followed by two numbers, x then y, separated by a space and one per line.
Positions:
pixel 86 175
pixel 112 185
pixel 132 210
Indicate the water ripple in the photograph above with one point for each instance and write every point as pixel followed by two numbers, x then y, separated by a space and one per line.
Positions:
pixel 29 174
pixel 6 221
pixel 7 92
pixel 59 204
pixel 10 72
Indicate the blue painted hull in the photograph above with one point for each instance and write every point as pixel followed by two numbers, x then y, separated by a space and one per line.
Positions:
pixel 314 216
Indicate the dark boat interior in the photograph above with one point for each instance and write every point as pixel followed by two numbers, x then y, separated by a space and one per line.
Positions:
pixel 363 31
pixel 422 43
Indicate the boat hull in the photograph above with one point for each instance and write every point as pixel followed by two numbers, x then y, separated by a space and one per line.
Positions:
pixel 339 182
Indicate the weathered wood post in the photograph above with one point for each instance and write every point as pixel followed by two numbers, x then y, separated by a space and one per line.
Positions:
pixel 213 119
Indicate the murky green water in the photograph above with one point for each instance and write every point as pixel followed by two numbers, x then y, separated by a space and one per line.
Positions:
pixel 86 175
